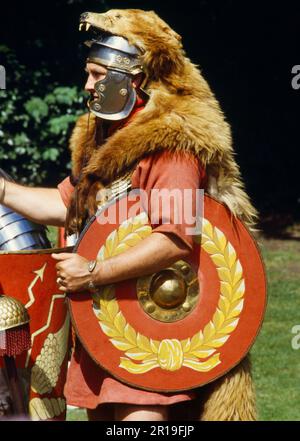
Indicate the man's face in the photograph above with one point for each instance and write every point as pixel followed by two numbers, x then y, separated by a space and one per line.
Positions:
pixel 95 72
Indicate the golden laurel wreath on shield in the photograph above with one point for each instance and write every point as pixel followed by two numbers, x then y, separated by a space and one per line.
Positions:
pixel 172 354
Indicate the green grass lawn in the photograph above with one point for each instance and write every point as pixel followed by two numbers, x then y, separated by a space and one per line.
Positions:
pixel 276 365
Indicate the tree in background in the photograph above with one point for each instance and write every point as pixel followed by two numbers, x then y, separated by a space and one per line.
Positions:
pixel 35 120
pixel 43 96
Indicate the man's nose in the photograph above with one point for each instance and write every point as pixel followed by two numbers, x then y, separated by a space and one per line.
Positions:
pixel 90 84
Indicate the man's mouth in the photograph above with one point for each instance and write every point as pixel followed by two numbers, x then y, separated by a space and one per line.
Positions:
pixel 93 97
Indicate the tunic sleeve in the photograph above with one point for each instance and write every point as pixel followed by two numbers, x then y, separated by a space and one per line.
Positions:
pixel 170 181
pixel 66 189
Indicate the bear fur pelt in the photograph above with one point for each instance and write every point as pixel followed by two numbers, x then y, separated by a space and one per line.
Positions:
pixel 181 115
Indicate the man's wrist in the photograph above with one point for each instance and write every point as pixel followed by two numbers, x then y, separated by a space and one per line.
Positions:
pixel 92 265
pixel 92 270
pixel 91 285
pixel 100 275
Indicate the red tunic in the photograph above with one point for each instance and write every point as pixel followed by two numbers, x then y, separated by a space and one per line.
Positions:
pixel 87 384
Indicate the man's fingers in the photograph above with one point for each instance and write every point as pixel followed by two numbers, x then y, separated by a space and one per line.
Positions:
pixel 62 256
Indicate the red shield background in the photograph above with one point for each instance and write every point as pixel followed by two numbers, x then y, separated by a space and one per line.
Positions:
pixel 31 278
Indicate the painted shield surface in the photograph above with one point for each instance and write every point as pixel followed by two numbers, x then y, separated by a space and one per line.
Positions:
pixel 184 326
pixel 30 276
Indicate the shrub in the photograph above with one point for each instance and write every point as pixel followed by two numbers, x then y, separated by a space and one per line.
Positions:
pixel 36 118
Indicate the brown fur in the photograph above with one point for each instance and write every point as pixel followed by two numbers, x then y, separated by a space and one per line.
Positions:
pixel 182 115
pixel 230 398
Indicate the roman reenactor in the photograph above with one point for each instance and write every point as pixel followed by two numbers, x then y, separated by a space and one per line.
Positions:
pixel 153 124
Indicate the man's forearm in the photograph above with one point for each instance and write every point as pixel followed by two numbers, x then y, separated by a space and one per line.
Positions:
pixel 41 205
pixel 149 256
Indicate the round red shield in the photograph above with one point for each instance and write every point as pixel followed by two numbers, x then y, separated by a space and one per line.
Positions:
pixel 145 332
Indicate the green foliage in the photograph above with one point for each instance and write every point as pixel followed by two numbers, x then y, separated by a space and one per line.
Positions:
pixel 36 118
pixel 37 108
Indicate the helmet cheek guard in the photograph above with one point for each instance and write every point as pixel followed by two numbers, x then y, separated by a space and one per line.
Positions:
pixel 117 96
pixel 116 93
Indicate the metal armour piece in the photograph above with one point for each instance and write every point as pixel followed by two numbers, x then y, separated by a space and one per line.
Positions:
pixel 116 99
pixel 116 93
pixel 121 57
pixel 12 313
pixel 18 233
